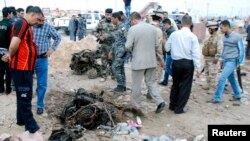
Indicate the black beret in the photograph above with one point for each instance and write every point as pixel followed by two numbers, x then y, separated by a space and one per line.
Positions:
pixel 109 10
pixel 156 17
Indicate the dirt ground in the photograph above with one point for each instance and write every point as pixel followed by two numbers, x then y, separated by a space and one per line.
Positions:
pixel 184 126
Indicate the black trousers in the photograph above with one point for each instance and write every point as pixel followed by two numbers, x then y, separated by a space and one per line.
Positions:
pixel 4 70
pixel 23 81
pixel 182 73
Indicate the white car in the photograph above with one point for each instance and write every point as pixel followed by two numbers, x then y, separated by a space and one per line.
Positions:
pixel 92 19
pixel 62 23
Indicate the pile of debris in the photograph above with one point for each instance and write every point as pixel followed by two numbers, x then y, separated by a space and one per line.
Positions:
pixel 61 58
pixel 86 61
pixel 92 111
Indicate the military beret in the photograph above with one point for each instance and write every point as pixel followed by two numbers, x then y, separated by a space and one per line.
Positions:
pixel 156 16
pixel 109 10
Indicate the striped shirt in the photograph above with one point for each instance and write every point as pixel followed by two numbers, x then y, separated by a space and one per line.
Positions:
pixel 42 38
pixel 24 58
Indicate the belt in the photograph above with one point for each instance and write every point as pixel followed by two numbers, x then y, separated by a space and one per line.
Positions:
pixel 42 55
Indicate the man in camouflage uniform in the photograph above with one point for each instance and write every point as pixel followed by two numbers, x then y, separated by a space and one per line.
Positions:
pixel 212 50
pixel 81 27
pixel 156 17
pixel 103 32
pixel 118 52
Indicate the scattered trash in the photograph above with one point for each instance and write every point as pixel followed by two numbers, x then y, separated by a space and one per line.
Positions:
pixel 67 133
pixel 199 138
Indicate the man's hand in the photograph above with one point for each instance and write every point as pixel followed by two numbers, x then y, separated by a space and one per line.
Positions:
pixel 48 53
pixel 220 63
pixel 110 55
pixel 163 65
pixel 5 58
pixel 215 61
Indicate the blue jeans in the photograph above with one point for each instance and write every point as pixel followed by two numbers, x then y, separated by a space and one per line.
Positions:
pixel 227 73
pixel 127 10
pixel 168 72
pixel 41 70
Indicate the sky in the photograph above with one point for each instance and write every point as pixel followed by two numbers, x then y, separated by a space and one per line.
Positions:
pixel 201 7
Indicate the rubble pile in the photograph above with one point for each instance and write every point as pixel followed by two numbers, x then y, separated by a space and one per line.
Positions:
pixel 61 58
pixel 91 110
pixel 86 61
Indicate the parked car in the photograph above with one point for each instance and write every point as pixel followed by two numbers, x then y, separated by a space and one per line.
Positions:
pixel 92 19
pixel 62 23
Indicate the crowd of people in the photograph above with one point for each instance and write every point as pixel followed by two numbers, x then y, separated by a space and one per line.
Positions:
pixel 153 47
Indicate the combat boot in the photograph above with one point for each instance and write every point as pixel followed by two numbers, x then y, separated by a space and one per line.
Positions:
pixel 119 89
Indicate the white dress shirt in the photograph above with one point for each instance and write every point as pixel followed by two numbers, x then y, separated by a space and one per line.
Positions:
pixel 183 44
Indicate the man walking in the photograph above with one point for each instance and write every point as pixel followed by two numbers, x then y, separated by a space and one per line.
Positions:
pixel 143 42
pixel 212 52
pixel 23 53
pixel 168 61
pixel 5 31
pixel 232 56
pixel 118 53
pixel 42 37
pixel 185 52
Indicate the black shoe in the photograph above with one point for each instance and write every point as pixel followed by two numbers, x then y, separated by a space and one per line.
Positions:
pixel 119 89
pixel 39 111
pixel 8 91
pixel 160 107
pixel 184 110
pixel 213 101
pixel 20 123
pixel 235 99
pixel 163 83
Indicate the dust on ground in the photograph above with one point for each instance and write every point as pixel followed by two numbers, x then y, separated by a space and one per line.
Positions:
pixel 62 83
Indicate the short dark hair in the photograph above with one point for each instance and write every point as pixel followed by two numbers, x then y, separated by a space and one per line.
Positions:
pixel 20 10
pixel 28 7
pixel 225 23
pixel 79 15
pixel 13 10
pixel 187 20
pixel 166 21
pixel 6 11
pixel 121 12
pixel 117 15
pixel 35 9
pixel 135 15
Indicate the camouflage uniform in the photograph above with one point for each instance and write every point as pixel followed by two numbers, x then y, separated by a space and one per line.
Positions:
pixel 215 43
pixel 81 28
pixel 118 53
pixel 104 30
pixel 159 52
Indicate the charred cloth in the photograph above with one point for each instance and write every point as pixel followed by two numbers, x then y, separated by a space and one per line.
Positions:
pixel 86 60
pixel 91 110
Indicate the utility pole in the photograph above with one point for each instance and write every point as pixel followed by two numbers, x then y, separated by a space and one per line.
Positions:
pixel 207 8
pixel 5 3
